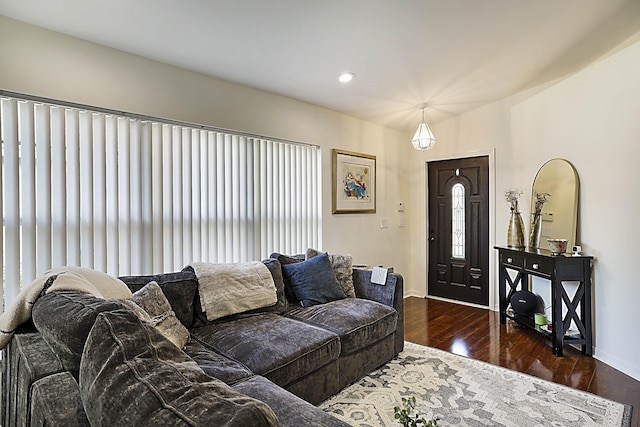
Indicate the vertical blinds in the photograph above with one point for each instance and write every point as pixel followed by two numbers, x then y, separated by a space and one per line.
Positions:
pixel 129 195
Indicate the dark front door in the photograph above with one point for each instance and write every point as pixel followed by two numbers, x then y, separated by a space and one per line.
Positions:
pixel 459 229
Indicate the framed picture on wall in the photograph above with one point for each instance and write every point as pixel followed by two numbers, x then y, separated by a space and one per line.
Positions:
pixel 354 182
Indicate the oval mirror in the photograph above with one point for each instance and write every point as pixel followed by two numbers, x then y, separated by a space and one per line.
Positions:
pixel 555 198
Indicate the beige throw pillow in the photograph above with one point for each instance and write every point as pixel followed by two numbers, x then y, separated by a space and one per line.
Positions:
pixel 153 301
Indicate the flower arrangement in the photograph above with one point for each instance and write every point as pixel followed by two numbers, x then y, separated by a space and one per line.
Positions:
pixel 512 197
pixel 541 199
pixel 536 218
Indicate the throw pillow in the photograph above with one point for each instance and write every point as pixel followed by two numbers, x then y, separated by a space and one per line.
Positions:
pixel 179 287
pixel 314 281
pixel 131 375
pixel 284 260
pixel 152 300
pixel 343 267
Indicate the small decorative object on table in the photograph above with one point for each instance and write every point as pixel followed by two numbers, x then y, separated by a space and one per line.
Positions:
pixel 540 319
pixel 536 219
pixel 515 233
pixel 405 415
pixel 557 246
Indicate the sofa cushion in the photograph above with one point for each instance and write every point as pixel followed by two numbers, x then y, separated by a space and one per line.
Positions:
pixel 132 375
pixel 215 364
pixel 287 259
pixel 57 402
pixel 314 281
pixel 284 260
pixel 289 408
pixel 277 347
pixel 65 318
pixel 180 288
pixel 275 268
pixel 342 267
pixel 66 334
pixel 153 301
pixel 358 322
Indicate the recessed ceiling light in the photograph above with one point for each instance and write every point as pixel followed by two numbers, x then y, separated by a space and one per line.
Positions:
pixel 346 77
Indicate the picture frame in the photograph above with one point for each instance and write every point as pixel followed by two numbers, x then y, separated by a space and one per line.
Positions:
pixel 353 182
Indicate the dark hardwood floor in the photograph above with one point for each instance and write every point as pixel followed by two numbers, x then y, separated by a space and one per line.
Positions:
pixel 478 334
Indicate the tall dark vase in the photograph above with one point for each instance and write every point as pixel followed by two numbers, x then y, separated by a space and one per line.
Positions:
pixel 534 232
pixel 515 234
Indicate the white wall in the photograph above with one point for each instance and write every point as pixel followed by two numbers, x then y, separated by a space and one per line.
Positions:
pixel 590 119
pixel 44 63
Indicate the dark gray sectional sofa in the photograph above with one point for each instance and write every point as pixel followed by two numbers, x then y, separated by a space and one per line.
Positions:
pixel 85 361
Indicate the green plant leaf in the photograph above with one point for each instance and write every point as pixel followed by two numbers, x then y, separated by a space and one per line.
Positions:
pixel 407 419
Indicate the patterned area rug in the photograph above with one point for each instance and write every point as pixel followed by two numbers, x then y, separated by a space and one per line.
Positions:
pixel 467 392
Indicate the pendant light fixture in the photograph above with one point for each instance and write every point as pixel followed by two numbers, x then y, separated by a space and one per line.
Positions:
pixel 423 138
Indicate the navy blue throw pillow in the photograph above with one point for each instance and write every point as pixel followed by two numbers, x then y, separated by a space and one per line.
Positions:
pixel 314 281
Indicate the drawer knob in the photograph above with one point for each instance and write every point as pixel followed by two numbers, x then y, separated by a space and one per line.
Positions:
pixel 536 266
pixel 509 260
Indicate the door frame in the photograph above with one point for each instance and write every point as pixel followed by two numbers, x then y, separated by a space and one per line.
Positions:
pixel 493 268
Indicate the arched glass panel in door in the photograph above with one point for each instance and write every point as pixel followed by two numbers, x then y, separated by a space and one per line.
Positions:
pixel 458 232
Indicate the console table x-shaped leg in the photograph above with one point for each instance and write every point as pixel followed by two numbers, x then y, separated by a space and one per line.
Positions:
pixel 583 338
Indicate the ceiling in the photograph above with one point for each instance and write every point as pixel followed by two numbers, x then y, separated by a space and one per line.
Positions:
pixel 455 55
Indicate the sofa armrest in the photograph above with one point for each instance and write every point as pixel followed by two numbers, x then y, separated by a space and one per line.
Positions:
pixel 56 401
pixel 390 294
pixel 25 360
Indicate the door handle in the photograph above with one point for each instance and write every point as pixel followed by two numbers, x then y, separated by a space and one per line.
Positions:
pixel 432 239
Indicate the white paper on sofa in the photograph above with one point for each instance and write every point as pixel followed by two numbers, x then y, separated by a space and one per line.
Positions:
pixel 233 288
pixel 379 276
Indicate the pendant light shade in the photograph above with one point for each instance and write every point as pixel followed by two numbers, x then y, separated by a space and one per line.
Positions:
pixel 423 139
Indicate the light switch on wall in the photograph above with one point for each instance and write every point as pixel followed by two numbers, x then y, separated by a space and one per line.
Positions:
pixel 383 223
pixel 400 206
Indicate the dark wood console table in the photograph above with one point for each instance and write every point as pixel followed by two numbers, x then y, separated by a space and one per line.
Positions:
pixel 557 269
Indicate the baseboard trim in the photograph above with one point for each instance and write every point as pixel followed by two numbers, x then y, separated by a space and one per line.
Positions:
pixel 469 304
pixel 616 363
pixel 408 294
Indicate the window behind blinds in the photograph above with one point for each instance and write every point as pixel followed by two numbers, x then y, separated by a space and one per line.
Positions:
pixel 134 195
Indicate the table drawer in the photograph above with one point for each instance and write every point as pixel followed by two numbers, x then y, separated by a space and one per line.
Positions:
pixel 512 260
pixel 540 266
